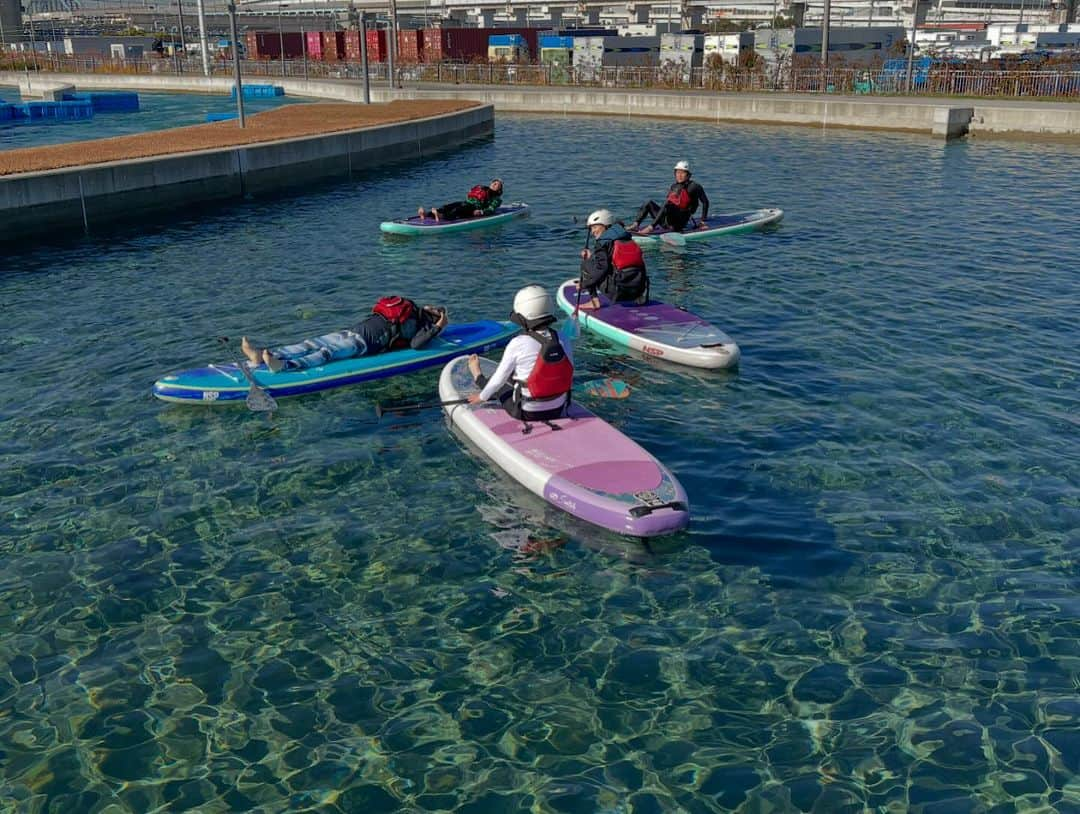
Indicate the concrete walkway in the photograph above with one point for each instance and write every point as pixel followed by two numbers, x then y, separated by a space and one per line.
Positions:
pixel 941 118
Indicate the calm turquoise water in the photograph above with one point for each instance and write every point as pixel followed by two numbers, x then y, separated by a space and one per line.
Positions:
pixel 875 609
pixel 157 111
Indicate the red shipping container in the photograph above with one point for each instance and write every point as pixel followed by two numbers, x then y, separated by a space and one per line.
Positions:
pixel 314 45
pixel 333 46
pixel 410 47
pixel 352 45
pixel 433 50
pixel 376 45
pixel 268 44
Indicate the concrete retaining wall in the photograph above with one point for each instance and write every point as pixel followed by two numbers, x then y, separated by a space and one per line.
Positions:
pixel 80 198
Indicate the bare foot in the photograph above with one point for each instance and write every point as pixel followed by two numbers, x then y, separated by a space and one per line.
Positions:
pixel 272 361
pixel 645 230
pixel 633 226
pixel 435 214
pixel 421 213
pixel 250 351
pixel 474 366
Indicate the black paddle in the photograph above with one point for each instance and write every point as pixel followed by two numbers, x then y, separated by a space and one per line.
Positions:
pixel 573 330
pixel 258 400
pixel 381 409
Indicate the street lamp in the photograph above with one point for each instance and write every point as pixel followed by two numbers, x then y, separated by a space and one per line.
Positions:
pixel 239 85
pixel 281 37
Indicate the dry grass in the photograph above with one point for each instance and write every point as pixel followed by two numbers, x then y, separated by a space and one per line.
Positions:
pixel 291 121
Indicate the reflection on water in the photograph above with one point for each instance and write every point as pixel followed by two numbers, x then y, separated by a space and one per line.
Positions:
pixel 874 608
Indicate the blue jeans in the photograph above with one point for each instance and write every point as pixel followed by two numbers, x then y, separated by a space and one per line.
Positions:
pixel 320 350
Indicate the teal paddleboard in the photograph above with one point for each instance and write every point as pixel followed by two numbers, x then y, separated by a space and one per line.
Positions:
pixel 429 226
pixel 216 384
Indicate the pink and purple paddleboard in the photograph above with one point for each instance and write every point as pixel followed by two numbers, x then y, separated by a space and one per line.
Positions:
pixel 580 463
pixel 656 329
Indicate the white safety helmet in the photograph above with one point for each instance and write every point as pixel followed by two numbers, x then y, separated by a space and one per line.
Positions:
pixel 683 165
pixel 602 217
pixel 533 303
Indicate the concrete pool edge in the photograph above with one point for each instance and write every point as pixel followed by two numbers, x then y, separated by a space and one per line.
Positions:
pixel 74 200
pixel 937 117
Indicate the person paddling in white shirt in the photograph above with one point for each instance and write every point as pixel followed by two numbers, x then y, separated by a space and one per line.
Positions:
pixel 536 372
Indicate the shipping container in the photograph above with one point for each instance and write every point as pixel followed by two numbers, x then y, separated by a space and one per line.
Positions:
pixel 376 45
pixel 681 53
pixel 507 48
pixel 608 52
pixel 333 46
pixel 554 41
pixel 314 45
pixel 727 48
pixel 268 44
pixel 410 46
pixel 471 44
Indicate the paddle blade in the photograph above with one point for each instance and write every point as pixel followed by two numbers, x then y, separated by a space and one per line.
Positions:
pixel 606 389
pixel 572 329
pixel 259 401
pixel 673 239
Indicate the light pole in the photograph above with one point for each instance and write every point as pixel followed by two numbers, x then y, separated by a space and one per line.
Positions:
pixel 825 19
pixel 391 44
pixel 239 85
pixel 202 37
pixel 303 48
pixel 281 37
pixel 180 16
pixel 363 57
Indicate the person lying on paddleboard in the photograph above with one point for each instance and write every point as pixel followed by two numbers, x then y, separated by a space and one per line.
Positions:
pixel 481 200
pixel 615 264
pixel 682 201
pixel 536 372
pixel 395 322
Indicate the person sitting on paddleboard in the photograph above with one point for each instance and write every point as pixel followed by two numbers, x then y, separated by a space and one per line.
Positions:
pixel 395 322
pixel 481 200
pixel 614 265
pixel 536 372
pixel 682 201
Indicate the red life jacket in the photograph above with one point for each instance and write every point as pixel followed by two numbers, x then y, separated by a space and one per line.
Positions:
pixel 680 197
pixel 626 254
pixel 553 373
pixel 479 193
pixel 396 311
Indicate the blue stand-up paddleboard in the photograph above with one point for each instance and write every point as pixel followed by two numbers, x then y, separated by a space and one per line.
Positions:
pixel 429 226
pixel 216 384
pixel 730 224
pixel 657 329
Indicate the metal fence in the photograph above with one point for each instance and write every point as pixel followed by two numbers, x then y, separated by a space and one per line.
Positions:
pixel 943 81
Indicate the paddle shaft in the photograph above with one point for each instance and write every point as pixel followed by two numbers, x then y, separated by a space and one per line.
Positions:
pixel 420 405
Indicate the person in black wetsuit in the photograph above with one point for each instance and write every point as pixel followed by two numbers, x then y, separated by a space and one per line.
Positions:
pixel 481 200
pixel 682 201
pixel 615 265
pixel 395 322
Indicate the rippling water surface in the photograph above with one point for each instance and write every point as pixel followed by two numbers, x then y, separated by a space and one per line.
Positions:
pixel 875 608
pixel 157 111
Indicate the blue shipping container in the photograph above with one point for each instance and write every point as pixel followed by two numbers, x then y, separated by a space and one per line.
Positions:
pixel 506 40
pixel 550 41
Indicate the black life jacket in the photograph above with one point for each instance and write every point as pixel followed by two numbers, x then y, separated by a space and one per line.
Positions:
pixel 553 373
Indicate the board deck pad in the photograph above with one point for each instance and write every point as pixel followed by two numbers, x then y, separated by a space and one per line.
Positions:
pixel 659 321
pixel 717 224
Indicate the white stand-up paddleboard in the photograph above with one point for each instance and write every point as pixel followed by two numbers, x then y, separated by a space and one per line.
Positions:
pixel 580 463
